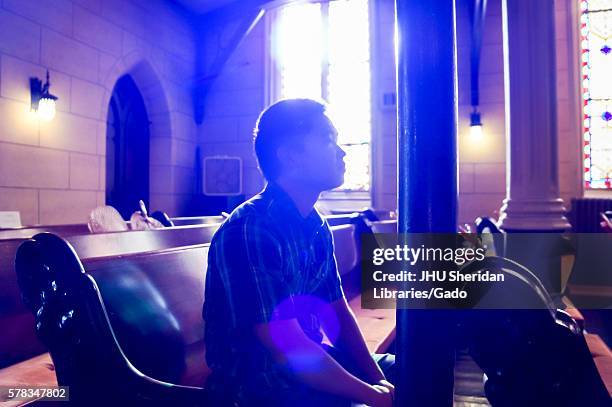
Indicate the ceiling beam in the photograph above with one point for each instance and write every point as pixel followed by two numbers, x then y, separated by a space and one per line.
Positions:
pixel 205 77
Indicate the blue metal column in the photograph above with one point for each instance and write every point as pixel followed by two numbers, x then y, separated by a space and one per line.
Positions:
pixel 427 184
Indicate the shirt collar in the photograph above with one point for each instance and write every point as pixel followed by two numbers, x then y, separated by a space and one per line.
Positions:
pixel 281 201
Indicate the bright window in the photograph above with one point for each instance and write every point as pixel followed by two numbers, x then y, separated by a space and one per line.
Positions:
pixel 596 43
pixel 322 50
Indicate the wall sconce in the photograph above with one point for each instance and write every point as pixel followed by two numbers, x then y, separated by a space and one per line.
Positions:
pixel 43 102
pixel 478 9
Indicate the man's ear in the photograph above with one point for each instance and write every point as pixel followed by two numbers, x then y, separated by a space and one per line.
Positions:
pixel 287 156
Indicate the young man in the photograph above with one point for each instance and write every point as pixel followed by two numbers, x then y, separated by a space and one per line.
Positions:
pixel 272 287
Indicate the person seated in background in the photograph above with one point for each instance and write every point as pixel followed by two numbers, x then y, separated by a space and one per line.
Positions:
pixel 272 286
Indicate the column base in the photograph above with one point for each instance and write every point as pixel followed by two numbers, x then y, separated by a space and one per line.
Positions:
pixel 524 215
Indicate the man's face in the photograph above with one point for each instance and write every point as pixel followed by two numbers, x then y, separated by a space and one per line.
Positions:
pixel 320 162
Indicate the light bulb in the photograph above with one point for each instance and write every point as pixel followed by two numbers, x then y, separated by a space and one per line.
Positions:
pixel 476 132
pixel 46 109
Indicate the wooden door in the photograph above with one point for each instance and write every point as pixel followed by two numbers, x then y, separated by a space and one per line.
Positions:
pixel 127 148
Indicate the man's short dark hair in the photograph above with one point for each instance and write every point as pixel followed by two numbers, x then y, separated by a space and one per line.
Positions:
pixel 284 121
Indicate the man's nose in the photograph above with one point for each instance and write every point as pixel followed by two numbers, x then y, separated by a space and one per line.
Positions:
pixel 341 152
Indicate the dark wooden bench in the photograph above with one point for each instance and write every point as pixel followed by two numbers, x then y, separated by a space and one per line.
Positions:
pixel 128 322
pixel 585 214
pixel 19 345
pixel 126 311
pixel 19 342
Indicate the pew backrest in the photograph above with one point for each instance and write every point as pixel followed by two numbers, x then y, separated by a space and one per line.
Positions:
pixel 154 302
pixel 138 241
pixel 197 220
pixel 342 219
pixel 384 226
pixel 585 213
pixel 27 232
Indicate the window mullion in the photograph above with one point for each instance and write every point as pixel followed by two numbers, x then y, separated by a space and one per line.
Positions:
pixel 325 49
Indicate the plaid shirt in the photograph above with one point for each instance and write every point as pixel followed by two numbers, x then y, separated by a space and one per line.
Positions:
pixel 266 262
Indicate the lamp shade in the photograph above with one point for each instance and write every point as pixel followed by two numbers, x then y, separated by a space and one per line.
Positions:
pixel 475 126
pixel 476 132
pixel 42 102
pixel 46 108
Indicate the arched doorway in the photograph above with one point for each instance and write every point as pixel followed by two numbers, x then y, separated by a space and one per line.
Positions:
pixel 127 148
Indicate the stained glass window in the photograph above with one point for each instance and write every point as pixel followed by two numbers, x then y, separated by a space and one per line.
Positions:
pixel 322 50
pixel 596 44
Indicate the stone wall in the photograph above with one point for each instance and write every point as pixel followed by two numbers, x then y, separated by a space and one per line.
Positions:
pixel 55 172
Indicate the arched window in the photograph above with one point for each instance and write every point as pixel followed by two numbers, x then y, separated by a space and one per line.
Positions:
pixel 322 50
pixel 596 44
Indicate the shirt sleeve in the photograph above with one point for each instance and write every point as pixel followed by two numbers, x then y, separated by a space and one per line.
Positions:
pixel 330 289
pixel 250 263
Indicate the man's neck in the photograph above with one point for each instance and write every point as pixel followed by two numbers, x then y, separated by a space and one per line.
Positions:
pixel 303 198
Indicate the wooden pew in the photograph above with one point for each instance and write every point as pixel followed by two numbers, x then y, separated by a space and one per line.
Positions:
pixel 585 214
pixel 346 249
pixel 121 321
pixel 20 342
pixel 106 277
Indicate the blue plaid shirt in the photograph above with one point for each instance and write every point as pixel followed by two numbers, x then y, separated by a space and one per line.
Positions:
pixel 266 262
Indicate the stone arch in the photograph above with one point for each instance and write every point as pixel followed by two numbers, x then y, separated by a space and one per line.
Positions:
pixel 150 85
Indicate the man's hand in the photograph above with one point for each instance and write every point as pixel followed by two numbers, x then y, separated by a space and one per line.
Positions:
pixel 288 344
pixel 381 396
pixel 388 385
